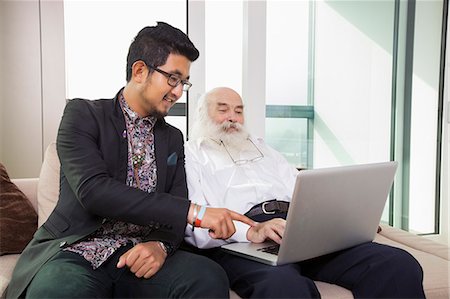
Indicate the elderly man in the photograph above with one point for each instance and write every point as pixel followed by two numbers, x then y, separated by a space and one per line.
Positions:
pixel 227 167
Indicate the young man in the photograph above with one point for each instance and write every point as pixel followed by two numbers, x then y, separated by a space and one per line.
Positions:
pixel 123 206
pixel 227 167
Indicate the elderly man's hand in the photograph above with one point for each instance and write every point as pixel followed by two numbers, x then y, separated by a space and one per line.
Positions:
pixel 144 259
pixel 272 229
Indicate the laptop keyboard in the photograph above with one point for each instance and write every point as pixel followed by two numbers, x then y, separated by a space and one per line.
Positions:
pixel 272 249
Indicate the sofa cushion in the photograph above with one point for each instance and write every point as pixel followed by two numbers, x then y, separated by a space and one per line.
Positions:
pixel 48 187
pixel 18 219
pixel 7 264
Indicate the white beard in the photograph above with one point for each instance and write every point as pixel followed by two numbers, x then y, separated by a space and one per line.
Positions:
pixel 209 130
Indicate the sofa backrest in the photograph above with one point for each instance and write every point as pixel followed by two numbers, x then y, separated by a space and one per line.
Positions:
pixel 48 187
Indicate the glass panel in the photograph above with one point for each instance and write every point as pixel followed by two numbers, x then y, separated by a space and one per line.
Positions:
pixel 223 45
pixel 287 52
pixel 353 71
pixel 425 90
pixel 289 136
pixel 287 45
pixel 97 37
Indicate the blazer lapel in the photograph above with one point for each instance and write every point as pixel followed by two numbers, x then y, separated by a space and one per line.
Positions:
pixel 161 151
pixel 118 121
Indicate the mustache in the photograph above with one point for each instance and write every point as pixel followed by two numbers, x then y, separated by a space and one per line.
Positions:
pixel 227 125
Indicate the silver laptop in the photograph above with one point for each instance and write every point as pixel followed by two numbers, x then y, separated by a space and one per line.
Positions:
pixel 331 209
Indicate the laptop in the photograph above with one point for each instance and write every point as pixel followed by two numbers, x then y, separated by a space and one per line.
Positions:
pixel 331 209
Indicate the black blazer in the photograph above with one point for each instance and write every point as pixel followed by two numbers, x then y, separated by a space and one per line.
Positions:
pixel 93 150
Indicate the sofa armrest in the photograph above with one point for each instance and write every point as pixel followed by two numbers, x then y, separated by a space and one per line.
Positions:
pixel 29 187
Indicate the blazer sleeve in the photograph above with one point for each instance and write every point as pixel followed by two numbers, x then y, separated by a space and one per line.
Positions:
pixel 82 131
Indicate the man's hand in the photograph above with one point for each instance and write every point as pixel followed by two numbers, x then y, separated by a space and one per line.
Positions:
pixel 219 221
pixel 272 229
pixel 144 259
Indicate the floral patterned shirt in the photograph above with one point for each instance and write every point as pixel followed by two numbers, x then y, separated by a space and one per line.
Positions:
pixel 113 234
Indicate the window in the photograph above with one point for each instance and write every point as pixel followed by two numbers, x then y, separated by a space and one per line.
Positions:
pixel 97 37
pixel 368 91
pixel 223 44
pixel 422 210
pixel 288 89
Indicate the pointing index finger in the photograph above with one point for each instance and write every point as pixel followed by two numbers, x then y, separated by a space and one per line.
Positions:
pixel 242 218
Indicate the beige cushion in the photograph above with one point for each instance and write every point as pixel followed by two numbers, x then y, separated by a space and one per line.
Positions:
pixel 48 187
pixel 29 187
pixel 7 263
pixel 416 242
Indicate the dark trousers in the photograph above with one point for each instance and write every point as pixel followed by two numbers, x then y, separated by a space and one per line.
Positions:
pixel 369 270
pixel 183 275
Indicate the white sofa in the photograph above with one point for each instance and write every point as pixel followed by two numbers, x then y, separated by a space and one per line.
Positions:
pixel 434 257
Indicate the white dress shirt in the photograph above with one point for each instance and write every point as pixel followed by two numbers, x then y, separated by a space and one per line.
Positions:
pixel 215 180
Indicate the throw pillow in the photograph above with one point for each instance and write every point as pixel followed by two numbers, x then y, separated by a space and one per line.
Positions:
pixel 18 219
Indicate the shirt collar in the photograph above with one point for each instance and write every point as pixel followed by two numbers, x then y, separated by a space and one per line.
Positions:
pixel 133 116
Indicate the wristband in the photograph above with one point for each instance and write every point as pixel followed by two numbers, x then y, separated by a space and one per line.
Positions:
pixel 198 221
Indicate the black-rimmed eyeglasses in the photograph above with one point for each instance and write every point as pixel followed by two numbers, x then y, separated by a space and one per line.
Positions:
pixel 244 161
pixel 173 79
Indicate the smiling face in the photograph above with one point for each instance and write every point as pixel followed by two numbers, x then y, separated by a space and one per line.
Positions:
pixel 148 92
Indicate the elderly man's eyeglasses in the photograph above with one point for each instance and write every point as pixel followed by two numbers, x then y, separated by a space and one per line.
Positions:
pixel 172 79
pixel 244 161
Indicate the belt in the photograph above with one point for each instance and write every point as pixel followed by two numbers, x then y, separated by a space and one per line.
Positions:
pixel 268 208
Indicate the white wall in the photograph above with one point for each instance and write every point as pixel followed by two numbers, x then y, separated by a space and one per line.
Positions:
pixel 53 68
pixel 196 27
pixel 32 92
pixel 20 93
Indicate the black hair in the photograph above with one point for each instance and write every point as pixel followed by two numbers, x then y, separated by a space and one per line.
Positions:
pixel 154 44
